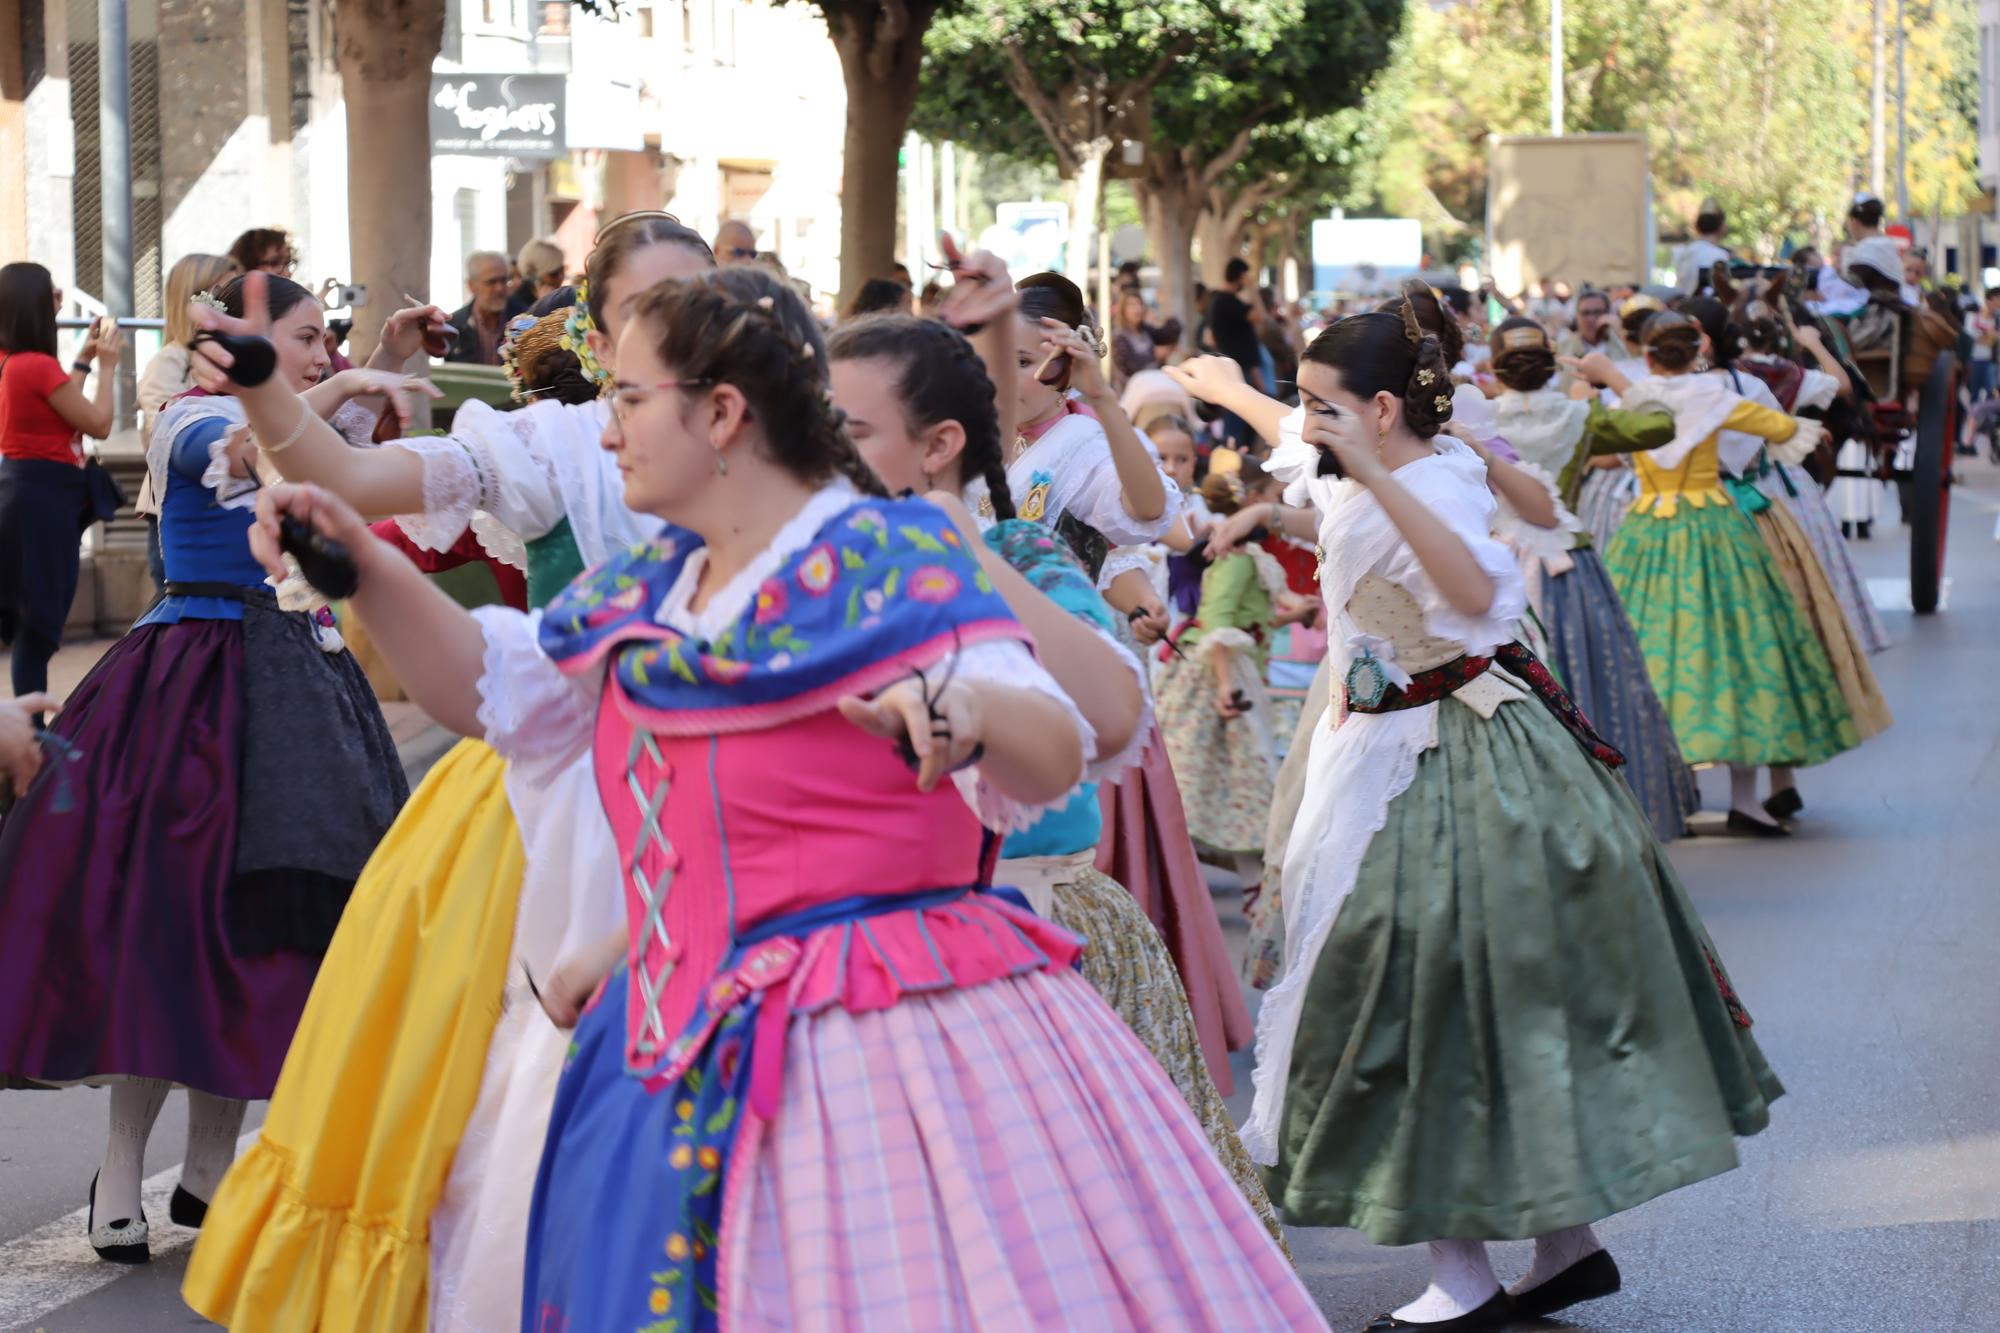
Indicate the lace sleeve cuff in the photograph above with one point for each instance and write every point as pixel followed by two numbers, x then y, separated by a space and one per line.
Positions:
pixel 1010 663
pixel 457 484
pixel 537 718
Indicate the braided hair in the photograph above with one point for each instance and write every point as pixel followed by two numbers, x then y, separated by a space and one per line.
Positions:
pixel 939 377
pixel 743 325
pixel 1393 353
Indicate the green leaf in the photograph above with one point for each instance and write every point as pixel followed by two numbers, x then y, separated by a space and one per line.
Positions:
pixel 706 1185
pixel 721 1117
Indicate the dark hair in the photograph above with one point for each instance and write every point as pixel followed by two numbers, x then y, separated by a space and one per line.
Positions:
pixel 1383 353
pixel 1052 296
pixel 1235 269
pixel 249 248
pixel 1518 362
pixel 562 298
pixel 1713 318
pixel 541 368
pixel 939 377
pixel 744 325
pixel 624 237
pixel 877 296
pixel 1709 221
pixel 281 295
pixel 27 309
pixel 1593 294
pixel 1867 211
pixel 1758 330
pixel 1459 299
pixel 1672 340
pixel 1633 323
pixel 1431 317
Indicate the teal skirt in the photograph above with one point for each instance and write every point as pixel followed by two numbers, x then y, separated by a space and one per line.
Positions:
pixel 1517 1023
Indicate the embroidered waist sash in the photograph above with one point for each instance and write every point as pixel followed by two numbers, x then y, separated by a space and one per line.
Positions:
pixel 1427 687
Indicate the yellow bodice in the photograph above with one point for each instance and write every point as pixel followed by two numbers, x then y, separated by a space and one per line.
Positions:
pixel 1698 481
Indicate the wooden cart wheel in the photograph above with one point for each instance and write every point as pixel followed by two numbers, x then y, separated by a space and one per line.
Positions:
pixel 1930 479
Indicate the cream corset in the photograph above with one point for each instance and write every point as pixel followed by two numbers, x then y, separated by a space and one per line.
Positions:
pixel 1385 611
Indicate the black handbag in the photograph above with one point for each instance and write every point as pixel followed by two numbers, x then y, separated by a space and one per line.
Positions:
pixel 107 497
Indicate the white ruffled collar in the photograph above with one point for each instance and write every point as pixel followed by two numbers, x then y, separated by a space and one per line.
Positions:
pixel 733 598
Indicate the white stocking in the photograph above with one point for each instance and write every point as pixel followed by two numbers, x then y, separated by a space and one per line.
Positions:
pixel 1555 1252
pixel 1461 1281
pixel 1743 794
pixel 213 1124
pixel 135 1104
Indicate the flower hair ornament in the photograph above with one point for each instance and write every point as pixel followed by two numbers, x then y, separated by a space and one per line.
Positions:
pixel 576 338
pixel 211 300
pixel 510 341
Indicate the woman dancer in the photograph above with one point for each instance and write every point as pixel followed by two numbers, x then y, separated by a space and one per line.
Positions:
pixel 162 925
pixel 1745 459
pixel 1734 659
pixel 45 503
pixel 823 1032
pixel 920 407
pixel 1797 388
pixel 1215 709
pixel 389 1187
pixel 1413 943
pixel 1078 466
pixel 1592 646
pixel 167 377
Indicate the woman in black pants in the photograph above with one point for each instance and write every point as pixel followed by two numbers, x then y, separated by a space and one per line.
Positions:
pixel 44 501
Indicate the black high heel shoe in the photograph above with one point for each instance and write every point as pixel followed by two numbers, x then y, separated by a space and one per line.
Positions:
pixel 1590 1278
pixel 121 1242
pixel 186 1210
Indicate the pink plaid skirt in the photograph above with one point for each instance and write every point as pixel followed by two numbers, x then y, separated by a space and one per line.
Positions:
pixel 1001 1157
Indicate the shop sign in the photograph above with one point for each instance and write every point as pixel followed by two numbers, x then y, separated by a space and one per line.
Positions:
pixel 497 115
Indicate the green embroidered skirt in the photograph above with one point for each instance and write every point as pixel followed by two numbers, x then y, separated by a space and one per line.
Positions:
pixel 1517 1023
pixel 1731 655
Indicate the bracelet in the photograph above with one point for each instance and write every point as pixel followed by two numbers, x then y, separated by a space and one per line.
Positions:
pixel 81 367
pixel 305 415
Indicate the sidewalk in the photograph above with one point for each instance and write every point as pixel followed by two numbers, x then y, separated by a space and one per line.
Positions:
pixel 420 742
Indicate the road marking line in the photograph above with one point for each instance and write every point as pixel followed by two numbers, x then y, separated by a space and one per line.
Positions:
pixel 53 1265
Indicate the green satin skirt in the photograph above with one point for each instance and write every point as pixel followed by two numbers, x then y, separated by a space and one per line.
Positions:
pixel 1517 1023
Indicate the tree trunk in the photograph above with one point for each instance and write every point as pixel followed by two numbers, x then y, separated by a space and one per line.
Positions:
pixel 1086 194
pixel 386 50
pixel 880 53
pixel 1171 208
pixel 1216 249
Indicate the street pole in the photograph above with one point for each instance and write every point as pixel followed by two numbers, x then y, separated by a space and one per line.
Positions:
pixel 1878 103
pixel 1902 127
pixel 114 137
pixel 1556 68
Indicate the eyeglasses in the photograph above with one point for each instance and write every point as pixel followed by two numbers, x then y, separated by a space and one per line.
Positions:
pixel 625 397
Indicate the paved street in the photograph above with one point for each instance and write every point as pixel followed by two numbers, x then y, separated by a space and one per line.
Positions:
pixel 1865 947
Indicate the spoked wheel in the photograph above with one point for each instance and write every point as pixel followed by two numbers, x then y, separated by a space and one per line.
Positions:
pixel 1930 482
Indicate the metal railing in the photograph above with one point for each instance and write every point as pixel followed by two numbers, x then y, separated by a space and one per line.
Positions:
pixel 125 396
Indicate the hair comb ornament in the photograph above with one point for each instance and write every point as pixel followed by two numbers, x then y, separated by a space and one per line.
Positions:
pixel 1441 402
pixel 1426 377
pixel 1524 337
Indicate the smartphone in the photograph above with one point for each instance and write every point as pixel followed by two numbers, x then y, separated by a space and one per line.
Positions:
pixel 351 297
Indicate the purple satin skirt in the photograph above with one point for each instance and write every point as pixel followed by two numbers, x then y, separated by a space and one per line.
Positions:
pixel 114 958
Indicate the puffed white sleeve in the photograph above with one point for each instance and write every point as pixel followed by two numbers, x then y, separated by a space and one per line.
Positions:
pixel 538 718
pixel 1100 500
pixel 1817 390
pixel 492 463
pixel 1468 509
pixel 1009 662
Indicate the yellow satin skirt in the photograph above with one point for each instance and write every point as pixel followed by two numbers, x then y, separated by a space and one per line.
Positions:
pixel 325 1223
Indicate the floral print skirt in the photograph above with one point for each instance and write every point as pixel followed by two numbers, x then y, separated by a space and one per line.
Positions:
pixel 1225 766
pixel 1127 963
